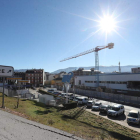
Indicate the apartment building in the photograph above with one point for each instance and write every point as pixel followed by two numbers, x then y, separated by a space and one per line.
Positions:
pixel 20 74
pixel 36 77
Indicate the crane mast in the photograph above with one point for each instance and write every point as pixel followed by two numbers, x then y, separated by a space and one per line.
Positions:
pixel 96 49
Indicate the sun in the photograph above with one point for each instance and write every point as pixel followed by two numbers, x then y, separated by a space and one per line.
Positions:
pixel 107 24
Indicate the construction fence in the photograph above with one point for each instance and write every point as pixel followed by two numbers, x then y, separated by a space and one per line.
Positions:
pixel 21 93
pixel 119 98
pixel 8 92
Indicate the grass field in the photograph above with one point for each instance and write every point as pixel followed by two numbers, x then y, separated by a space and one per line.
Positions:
pixel 87 125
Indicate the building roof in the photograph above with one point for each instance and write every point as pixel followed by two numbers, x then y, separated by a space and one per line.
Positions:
pixel 62 72
pixel 87 70
pixel 57 79
pixel 34 70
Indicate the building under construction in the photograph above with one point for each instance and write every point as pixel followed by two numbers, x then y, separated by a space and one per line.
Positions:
pixel 117 82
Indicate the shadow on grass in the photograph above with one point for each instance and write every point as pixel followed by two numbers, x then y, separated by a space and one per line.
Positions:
pixel 116 135
pixel 23 100
pixel 74 114
pixel 48 109
pixel 39 112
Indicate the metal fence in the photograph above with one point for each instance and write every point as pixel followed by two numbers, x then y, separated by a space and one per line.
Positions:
pixel 120 98
pixel 21 93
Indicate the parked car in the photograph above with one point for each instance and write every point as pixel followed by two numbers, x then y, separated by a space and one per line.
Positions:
pixel 133 117
pixel 82 100
pixel 63 94
pixel 104 108
pixel 75 100
pixel 51 90
pixel 116 110
pixel 70 96
pixel 44 87
pixel 57 93
pixel 34 88
pixel 96 106
pixel 90 103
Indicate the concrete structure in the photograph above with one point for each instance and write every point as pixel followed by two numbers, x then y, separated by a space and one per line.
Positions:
pixel 120 82
pixel 135 70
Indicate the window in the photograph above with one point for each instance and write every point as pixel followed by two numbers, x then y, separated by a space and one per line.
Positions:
pixel 122 107
pixel 79 82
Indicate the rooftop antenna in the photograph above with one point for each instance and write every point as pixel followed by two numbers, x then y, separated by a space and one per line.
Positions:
pixel 119 68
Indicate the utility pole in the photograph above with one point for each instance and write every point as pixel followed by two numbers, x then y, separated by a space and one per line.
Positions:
pixel 3 93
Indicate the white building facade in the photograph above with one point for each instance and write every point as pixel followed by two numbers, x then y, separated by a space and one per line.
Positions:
pixel 119 81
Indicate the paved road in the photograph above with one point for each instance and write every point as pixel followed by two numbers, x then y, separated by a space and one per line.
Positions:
pixel 121 119
pixel 13 127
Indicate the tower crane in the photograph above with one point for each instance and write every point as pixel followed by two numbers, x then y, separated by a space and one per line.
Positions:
pixel 96 49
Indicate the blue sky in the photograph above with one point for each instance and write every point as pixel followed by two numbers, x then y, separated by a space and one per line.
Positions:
pixel 40 33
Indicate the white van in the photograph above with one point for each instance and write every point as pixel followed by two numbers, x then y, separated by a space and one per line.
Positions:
pixel 82 100
pixel 116 110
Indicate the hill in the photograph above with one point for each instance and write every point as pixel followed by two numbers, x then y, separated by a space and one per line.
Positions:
pixel 101 68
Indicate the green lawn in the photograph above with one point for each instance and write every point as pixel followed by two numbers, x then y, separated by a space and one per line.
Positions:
pixel 87 125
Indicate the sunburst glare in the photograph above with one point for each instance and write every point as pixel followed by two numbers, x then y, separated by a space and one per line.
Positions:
pixel 107 24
